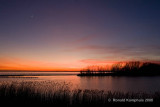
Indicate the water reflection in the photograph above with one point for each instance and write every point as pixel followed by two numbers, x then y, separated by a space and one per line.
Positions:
pixel 124 84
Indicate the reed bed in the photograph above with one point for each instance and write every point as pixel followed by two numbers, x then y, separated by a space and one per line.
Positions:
pixel 60 94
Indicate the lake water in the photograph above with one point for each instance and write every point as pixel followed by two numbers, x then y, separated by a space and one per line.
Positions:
pixel 109 83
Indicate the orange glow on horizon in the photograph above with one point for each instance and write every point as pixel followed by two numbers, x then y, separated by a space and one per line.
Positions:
pixel 25 65
pixel 45 68
pixel 31 65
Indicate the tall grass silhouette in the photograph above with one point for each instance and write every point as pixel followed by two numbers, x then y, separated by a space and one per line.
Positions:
pixel 61 95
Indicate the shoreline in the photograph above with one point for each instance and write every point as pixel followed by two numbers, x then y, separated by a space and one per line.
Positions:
pixel 120 74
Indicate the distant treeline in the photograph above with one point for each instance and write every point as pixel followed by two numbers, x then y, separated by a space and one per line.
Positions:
pixel 129 68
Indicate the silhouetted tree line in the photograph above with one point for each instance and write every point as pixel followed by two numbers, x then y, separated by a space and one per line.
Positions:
pixel 128 68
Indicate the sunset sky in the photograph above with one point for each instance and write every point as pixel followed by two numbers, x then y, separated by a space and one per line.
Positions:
pixel 64 35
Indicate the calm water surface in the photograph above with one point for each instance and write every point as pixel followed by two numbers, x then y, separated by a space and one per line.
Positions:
pixel 125 84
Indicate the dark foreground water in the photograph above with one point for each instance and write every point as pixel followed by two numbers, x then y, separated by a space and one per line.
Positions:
pixel 109 83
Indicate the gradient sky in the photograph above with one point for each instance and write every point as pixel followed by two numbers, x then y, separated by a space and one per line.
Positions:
pixel 72 34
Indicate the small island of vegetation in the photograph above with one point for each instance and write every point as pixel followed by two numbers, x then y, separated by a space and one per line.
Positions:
pixel 134 68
